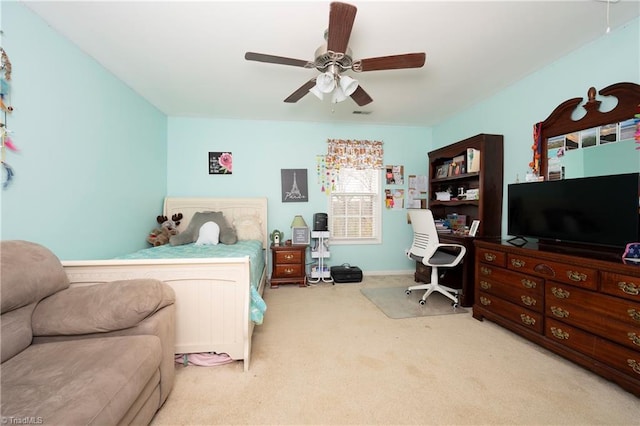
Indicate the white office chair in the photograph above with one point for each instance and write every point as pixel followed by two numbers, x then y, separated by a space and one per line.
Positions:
pixel 426 248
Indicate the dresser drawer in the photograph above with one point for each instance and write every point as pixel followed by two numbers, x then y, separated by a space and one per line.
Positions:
pixel 620 358
pixel 286 271
pixel 512 312
pixel 621 285
pixel 288 256
pixel 593 320
pixel 493 257
pixel 562 272
pixel 600 305
pixel 515 292
pixel 534 285
pixel 570 336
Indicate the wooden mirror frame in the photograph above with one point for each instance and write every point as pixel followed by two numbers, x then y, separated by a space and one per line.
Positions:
pixel 560 121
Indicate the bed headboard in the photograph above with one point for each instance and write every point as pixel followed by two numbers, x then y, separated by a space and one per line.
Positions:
pixel 232 208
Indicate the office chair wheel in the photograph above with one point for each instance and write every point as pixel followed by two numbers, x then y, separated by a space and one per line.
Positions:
pixel 407 292
pixel 454 304
pixel 422 302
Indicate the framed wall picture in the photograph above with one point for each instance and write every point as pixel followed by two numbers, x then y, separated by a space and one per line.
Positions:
pixel 294 185
pixel 220 163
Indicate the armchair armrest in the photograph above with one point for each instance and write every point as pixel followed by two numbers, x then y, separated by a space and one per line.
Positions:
pixel 100 308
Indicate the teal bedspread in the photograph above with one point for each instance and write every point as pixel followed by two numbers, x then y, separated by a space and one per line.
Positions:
pixel 251 248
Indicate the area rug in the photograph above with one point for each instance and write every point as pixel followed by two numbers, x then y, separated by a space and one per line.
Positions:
pixel 396 304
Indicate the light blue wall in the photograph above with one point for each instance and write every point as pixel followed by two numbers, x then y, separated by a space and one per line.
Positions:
pixel 261 149
pixel 96 160
pixel 613 58
pixel 91 171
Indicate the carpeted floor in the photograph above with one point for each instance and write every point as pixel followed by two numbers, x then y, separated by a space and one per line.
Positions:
pixel 396 304
pixel 326 355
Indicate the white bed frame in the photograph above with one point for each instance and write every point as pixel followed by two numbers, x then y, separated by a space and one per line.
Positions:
pixel 212 295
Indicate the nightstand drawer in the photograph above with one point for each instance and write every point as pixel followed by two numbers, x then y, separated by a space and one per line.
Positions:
pixel 287 271
pixel 288 256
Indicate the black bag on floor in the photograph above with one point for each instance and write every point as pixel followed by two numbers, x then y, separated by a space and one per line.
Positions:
pixel 346 273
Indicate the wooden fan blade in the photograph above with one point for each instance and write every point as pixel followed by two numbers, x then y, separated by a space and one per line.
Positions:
pixel 361 97
pixel 341 17
pixel 393 62
pixel 303 90
pixel 271 59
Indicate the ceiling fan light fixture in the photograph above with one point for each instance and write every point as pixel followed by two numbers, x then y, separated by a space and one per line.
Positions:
pixel 348 85
pixel 326 82
pixel 316 92
pixel 338 95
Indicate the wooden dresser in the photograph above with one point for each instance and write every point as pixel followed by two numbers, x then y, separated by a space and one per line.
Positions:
pixel 288 265
pixel 585 309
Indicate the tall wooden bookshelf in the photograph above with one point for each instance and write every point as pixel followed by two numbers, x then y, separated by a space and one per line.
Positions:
pixel 488 180
pixel 487 208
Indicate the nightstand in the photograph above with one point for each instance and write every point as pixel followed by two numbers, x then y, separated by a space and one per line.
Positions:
pixel 288 265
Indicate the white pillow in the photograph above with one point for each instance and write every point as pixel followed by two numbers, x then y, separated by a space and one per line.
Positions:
pixel 248 227
pixel 209 234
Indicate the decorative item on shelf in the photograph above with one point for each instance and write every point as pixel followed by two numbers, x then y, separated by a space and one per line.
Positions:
pixel 276 237
pixel 473 160
pixel 474 228
pixel 443 196
pixel 299 231
pixel 472 194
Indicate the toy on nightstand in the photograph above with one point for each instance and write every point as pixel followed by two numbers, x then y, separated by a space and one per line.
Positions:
pixel 168 227
pixel 276 237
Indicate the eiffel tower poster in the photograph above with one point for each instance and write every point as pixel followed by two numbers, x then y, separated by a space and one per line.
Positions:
pixel 294 185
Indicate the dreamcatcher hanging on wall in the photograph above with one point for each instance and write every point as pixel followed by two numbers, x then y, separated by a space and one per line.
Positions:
pixel 5 110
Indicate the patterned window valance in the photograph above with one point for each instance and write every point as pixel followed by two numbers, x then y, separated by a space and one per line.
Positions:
pixel 354 154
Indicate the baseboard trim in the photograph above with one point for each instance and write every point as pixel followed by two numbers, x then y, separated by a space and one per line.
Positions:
pixel 395 272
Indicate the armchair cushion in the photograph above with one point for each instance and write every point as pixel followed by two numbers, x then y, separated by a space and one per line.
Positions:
pixel 100 308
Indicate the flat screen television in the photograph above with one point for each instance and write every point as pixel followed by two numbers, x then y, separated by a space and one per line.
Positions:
pixel 594 211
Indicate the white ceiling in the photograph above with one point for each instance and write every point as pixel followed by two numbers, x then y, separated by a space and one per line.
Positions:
pixel 187 58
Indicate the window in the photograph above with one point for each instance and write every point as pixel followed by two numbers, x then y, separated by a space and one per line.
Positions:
pixel 355 207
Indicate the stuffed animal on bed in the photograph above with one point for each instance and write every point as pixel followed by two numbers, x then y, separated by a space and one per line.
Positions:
pixel 168 228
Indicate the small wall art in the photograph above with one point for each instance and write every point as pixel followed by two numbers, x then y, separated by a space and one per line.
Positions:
pixel 220 163
pixel 294 185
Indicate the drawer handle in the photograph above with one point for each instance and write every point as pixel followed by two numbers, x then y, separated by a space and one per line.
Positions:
pixel 635 315
pixel 489 257
pixel 485 271
pixel 517 263
pixel 629 288
pixel 289 271
pixel 545 270
pixel 560 293
pixel 576 276
pixel 635 365
pixel 528 283
pixel 526 319
pixel 485 301
pixel 528 300
pixel 559 312
pixel 485 285
pixel 288 256
pixel 635 339
pixel 558 333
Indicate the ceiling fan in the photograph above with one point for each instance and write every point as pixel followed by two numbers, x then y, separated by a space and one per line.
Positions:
pixel 334 58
